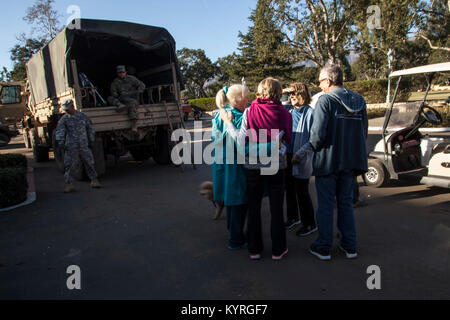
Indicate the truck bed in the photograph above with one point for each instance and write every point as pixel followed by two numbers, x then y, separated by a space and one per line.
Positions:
pixel 108 119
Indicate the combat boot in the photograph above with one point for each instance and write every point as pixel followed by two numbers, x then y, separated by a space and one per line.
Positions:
pixel 95 184
pixel 68 188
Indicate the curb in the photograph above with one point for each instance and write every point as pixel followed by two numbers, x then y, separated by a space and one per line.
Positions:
pixel 31 194
pixel 424 130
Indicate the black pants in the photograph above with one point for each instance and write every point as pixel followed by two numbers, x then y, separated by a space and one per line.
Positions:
pixel 298 198
pixel 255 192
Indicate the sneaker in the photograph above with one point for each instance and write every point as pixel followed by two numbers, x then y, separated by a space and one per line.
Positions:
pixel 95 184
pixel 277 258
pixel 322 254
pixel 350 253
pixel 305 231
pixel 255 256
pixel 291 223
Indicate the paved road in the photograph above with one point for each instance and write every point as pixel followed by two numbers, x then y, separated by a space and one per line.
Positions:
pixel 148 234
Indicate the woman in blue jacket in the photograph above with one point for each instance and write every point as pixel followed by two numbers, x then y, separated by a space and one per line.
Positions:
pixel 229 180
pixel 298 174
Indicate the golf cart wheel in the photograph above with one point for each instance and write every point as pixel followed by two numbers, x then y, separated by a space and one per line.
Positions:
pixel 376 175
pixel 4 140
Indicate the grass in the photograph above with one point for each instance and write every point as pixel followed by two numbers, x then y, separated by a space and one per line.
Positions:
pixel 432 95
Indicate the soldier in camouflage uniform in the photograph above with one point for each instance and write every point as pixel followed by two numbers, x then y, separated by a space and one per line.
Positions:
pixel 124 93
pixel 75 135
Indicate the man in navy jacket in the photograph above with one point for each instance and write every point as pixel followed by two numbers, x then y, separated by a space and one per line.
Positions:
pixel 338 138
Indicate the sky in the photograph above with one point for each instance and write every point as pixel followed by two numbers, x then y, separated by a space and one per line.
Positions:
pixel 211 25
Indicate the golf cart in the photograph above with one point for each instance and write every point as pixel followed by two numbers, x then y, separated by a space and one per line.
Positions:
pixel 403 149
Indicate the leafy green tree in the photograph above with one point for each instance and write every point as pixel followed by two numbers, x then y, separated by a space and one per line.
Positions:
pixel 4 75
pixel 434 28
pixel 197 70
pixel 318 30
pixel 263 50
pixel 20 54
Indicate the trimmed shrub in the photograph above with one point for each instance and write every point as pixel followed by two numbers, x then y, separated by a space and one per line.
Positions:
pixel 208 104
pixel 375 90
pixel 13 186
pixel 376 113
pixel 12 160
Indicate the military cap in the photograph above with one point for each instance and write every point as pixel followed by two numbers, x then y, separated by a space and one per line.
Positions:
pixel 120 69
pixel 66 105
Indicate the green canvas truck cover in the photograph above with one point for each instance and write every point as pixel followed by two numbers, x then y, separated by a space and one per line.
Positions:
pixel 98 46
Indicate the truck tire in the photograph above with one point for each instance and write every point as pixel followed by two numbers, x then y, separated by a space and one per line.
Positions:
pixel 4 140
pixel 58 153
pixel 99 157
pixel 162 149
pixel 40 152
pixel 140 153
pixel 377 175
pixel 26 138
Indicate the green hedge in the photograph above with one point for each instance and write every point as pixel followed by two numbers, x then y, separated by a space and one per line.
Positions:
pixel 373 91
pixel 13 186
pixel 208 104
pixel 376 113
pixel 12 160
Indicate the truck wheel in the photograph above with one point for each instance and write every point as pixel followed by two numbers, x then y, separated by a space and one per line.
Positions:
pixel 59 154
pixel 162 150
pixel 99 157
pixel 140 153
pixel 26 139
pixel 40 152
pixel 4 140
pixel 377 175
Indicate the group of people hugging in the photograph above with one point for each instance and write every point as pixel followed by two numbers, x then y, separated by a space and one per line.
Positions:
pixel 327 142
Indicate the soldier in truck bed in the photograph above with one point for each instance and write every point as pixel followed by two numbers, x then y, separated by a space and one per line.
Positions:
pixel 124 93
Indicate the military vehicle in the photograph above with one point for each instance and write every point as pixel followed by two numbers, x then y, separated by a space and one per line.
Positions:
pixel 12 102
pixel 79 64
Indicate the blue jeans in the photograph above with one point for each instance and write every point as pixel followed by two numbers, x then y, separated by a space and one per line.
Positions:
pixel 235 223
pixel 336 186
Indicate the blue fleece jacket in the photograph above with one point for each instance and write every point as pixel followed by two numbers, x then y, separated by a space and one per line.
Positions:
pixel 339 132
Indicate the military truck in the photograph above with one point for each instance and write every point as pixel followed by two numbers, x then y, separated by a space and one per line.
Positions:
pixel 12 102
pixel 79 64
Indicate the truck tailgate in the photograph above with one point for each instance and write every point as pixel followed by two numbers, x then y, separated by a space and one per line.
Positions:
pixel 107 119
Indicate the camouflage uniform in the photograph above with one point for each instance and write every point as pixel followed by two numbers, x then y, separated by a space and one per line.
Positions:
pixel 125 91
pixel 75 134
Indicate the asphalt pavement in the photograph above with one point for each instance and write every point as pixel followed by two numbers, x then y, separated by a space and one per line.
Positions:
pixel 148 234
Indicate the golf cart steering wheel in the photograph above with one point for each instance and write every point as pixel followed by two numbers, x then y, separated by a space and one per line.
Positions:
pixel 430 115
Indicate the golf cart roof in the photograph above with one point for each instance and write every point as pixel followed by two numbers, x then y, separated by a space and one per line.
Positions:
pixel 438 67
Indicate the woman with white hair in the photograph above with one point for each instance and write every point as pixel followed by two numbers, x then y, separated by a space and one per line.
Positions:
pixel 229 182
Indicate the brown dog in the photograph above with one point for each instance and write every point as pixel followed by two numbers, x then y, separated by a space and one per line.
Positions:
pixel 206 190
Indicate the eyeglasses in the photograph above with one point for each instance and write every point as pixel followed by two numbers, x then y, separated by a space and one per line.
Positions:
pixel 292 94
pixel 320 80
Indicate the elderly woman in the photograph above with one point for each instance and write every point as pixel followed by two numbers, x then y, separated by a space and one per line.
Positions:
pixel 299 173
pixel 264 115
pixel 229 184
